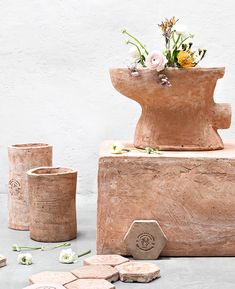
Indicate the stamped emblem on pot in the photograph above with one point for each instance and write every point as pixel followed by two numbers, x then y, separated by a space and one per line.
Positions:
pixel 145 242
pixel 15 189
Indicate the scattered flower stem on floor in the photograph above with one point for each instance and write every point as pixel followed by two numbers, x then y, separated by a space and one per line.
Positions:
pixel 84 253
pixel 63 245
pixel 19 248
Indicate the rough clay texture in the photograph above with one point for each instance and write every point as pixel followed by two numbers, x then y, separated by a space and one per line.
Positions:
pixel 23 157
pixel 111 260
pixel 190 194
pixel 90 284
pixel 145 239
pixel 138 272
pixel 180 117
pixel 97 272
pixel 3 261
pixel 61 278
pixel 45 286
pixel 52 200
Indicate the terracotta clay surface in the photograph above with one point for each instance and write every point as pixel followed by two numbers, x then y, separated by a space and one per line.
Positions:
pixel 190 194
pixel 181 117
pixel 138 272
pixel 3 261
pixel 90 284
pixel 97 272
pixel 61 278
pixel 45 286
pixel 23 157
pixel 145 239
pixel 111 260
pixel 52 200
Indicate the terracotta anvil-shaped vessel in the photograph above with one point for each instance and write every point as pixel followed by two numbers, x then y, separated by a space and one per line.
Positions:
pixel 181 117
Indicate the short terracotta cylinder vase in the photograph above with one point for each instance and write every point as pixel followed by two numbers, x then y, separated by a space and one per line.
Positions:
pixel 23 157
pixel 181 117
pixel 52 203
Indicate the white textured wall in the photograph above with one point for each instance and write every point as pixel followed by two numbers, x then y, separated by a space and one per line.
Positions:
pixel 54 60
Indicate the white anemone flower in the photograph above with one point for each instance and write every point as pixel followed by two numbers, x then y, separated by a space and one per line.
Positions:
pixel 134 53
pixel 67 256
pixel 25 259
pixel 181 29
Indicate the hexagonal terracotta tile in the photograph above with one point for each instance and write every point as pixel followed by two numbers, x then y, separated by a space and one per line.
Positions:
pixel 138 272
pixel 112 260
pixel 61 278
pixel 3 261
pixel 90 284
pixel 45 286
pixel 97 272
pixel 145 239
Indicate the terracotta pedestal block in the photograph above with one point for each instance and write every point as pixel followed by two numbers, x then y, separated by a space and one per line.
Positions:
pixel 52 202
pixel 23 157
pixel 181 117
pixel 190 194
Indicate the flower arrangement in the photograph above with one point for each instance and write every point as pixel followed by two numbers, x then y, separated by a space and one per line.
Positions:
pixel 178 51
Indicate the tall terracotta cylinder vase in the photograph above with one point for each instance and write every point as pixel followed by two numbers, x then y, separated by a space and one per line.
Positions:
pixel 52 202
pixel 23 157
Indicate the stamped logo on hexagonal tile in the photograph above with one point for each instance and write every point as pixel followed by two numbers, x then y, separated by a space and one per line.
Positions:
pixel 145 239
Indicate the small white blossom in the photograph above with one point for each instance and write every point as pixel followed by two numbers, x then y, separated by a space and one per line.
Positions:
pixel 67 256
pixel 117 148
pixel 133 51
pixel 181 29
pixel 25 259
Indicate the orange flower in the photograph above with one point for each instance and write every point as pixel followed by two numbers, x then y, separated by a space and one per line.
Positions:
pixel 185 59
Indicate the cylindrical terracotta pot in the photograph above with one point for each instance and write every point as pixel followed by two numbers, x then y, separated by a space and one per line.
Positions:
pixel 23 157
pixel 181 117
pixel 52 202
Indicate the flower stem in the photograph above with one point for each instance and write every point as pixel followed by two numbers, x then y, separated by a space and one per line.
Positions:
pixel 84 253
pixel 147 150
pixel 30 247
pixel 42 248
pixel 127 33
pixel 137 47
pixel 176 42
pixel 184 40
pixel 56 246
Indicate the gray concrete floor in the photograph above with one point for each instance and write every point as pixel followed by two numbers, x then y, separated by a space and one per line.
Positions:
pixel 193 273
